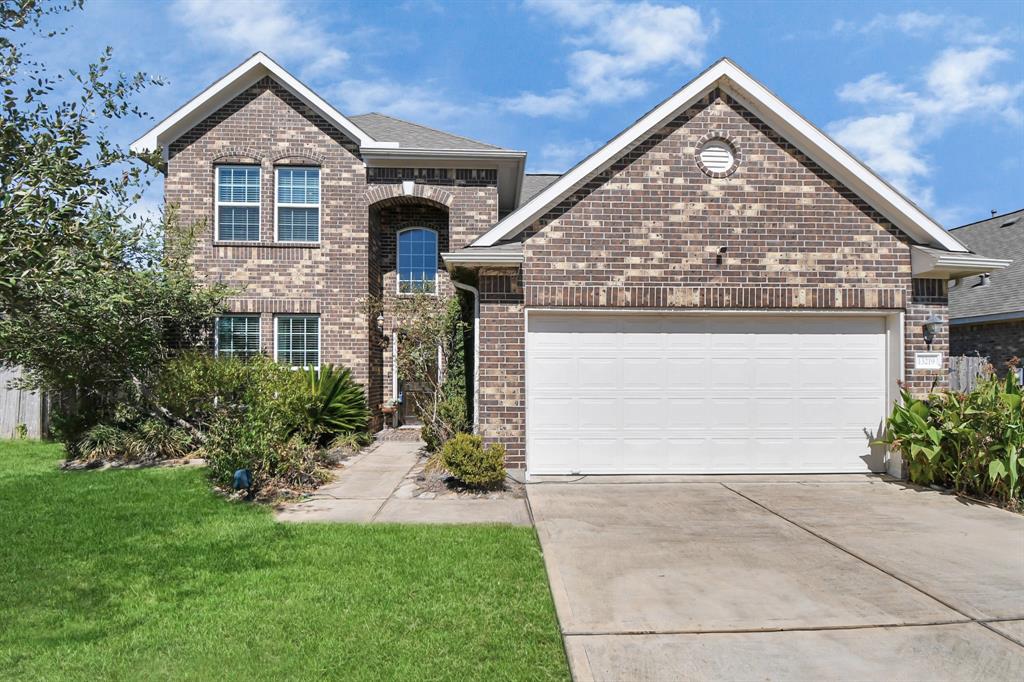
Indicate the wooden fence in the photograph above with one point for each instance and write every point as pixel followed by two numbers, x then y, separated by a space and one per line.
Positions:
pixel 964 371
pixel 22 413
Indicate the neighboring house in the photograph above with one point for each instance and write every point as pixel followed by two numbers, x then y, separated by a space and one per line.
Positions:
pixel 720 288
pixel 986 312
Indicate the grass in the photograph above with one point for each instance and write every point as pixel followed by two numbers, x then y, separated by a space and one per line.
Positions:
pixel 145 574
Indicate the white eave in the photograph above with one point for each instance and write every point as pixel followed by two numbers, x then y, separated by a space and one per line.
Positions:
pixel 937 264
pixel 773 111
pixel 468 258
pixel 230 86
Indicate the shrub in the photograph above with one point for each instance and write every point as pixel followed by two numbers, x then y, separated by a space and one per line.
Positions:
pixel 103 442
pixel 254 414
pixel 970 442
pixel 337 404
pixel 155 439
pixel 465 458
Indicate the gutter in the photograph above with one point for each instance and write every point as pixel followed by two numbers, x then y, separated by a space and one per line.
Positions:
pixel 981 319
pixel 951 264
pixel 476 350
pixel 482 258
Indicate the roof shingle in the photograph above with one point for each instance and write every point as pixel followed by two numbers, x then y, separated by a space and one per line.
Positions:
pixel 1001 236
pixel 410 135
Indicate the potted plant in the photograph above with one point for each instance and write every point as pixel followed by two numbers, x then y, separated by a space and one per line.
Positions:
pixel 389 407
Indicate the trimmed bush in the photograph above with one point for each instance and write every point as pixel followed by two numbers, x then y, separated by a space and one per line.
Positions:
pixel 465 458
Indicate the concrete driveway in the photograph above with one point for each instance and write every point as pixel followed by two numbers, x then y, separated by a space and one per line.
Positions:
pixel 821 578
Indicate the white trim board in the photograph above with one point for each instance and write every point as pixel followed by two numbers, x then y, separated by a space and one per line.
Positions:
pixel 787 122
pixel 229 87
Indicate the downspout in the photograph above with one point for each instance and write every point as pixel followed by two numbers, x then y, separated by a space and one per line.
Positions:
pixel 476 350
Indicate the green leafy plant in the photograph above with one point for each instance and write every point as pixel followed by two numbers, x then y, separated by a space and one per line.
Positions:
pixel 970 442
pixel 337 404
pixel 156 439
pixel 465 458
pixel 104 442
pixel 353 441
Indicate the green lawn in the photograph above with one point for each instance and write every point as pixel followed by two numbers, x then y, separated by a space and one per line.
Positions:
pixel 145 574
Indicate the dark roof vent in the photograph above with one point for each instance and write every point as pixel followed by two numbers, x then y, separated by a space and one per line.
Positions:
pixel 1010 221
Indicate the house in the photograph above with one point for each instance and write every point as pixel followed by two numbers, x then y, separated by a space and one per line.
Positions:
pixel 720 288
pixel 986 313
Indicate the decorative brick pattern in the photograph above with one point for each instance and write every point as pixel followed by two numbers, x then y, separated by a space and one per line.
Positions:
pixel 928 297
pixel 266 126
pixel 502 399
pixel 655 231
pixel 998 341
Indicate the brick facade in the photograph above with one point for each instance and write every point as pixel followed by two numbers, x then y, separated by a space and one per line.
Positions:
pixel 653 231
pixel 656 231
pixel 998 341
pixel 361 209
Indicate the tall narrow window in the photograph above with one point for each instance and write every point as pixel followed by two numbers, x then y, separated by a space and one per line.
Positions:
pixel 298 204
pixel 298 340
pixel 238 203
pixel 238 335
pixel 417 261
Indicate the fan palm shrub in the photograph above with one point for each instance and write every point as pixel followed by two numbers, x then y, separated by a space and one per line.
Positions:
pixel 337 406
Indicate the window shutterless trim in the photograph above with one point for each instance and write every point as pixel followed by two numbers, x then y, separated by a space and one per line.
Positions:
pixel 319 333
pixel 216 335
pixel 279 205
pixel 398 257
pixel 217 203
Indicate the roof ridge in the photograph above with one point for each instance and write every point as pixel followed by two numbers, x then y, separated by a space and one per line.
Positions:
pixel 436 130
pixel 985 220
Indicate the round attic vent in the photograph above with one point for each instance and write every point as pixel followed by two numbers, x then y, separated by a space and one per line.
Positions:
pixel 717 156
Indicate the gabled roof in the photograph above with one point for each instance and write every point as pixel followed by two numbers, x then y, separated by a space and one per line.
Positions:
pixel 724 74
pixel 1003 236
pixel 230 86
pixel 410 135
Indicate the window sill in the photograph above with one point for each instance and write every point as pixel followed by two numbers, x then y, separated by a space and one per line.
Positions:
pixel 272 245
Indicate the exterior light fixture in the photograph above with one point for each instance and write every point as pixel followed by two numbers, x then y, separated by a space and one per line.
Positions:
pixel 931 328
pixel 380 322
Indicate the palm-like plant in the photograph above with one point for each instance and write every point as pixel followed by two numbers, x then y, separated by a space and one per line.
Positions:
pixel 338 403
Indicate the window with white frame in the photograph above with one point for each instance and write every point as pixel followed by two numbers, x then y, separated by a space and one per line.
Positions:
pixel 238 203
pixel 417 261
pixel 298 204
pixel 298 340
pixel 238 335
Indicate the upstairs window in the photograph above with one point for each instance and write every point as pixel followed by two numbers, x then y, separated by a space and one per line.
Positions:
pixel 298 204
pixel 238 335
pixel 238 203
pixel 298 340
pixel 417 261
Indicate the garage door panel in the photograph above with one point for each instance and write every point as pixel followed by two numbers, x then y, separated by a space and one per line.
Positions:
pixel 643 372
pixel 643 414
pixel 703 394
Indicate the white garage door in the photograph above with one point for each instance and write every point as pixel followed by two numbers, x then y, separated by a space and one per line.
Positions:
pixel 703 394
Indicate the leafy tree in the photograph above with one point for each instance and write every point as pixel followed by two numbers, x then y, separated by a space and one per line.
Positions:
pixel 91 299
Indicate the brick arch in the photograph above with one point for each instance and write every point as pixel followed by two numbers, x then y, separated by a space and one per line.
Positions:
pixel 391 194
pixel 248 154
pixel 298 153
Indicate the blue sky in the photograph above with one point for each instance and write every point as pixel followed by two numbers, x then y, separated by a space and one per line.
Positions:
pixel 930 94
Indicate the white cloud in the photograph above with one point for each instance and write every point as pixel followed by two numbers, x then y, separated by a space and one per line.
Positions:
pixel 419 103
pixel 617 46
pixel 912 23
pixel 558 157
pixel 273 26
pixel 960 83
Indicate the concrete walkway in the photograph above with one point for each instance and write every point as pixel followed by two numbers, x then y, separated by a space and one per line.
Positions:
pixel 365 492
pixel 739 578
